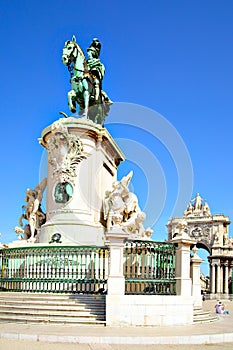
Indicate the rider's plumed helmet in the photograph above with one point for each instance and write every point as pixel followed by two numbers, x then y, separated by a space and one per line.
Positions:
pixel 95 47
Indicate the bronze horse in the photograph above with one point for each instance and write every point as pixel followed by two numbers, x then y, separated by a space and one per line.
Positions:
pixel 83 85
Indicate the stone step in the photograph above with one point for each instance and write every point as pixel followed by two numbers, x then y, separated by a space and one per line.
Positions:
pixel 54 308
pixel 50 313
pixel 48 319
pixel 201 312
pixel 67 304
pixel 205 320
pixel 50 296
pixel 96 300
pixel 201 316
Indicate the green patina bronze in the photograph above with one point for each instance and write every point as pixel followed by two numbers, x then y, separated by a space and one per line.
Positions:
pixel 63 192
pixel 86 80
pixel 149 268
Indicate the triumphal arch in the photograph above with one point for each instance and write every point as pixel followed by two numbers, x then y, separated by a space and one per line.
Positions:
pixel 210 231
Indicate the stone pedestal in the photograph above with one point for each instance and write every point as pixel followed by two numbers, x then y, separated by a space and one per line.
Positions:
pixel 116 242
pixel 82 165
pixel 183 280
pixel 195 275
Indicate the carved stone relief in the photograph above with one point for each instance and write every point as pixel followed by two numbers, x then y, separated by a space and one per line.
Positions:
pixel 121 209
pixel 64 153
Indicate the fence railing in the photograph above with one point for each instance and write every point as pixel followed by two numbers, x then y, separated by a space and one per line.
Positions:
pixel 149 268
pixel 54 269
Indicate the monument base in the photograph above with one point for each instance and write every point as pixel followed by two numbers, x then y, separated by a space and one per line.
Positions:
pixel 82 166
pixel 73 233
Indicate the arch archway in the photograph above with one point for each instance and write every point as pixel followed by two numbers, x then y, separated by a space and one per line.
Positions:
pixel 210 233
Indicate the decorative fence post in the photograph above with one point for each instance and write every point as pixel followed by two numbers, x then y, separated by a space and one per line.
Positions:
pixel 184 242
pixel 195 275
pixel 116 242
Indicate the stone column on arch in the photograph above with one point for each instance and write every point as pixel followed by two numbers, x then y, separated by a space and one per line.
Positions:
pixel 218 278
pixel 226 274
pixel 230 274
pixel 212 279
pixel 222 278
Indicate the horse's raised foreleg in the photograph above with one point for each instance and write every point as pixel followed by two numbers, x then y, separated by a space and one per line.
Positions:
pixel 86 97
pixel 71 101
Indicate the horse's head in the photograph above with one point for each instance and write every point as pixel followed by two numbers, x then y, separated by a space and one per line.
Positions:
pixel 70 52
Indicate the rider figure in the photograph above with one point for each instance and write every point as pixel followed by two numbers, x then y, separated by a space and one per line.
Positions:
pixel 95 66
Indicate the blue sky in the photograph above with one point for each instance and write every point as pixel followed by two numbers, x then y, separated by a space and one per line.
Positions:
pixel 173 57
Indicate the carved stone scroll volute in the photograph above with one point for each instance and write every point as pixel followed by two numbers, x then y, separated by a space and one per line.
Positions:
pixel 64 153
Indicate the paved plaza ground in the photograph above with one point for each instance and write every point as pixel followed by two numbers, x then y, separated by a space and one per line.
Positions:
pixel 25 345
pixel 214 336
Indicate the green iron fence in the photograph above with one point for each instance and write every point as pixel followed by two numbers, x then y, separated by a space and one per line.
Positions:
pixel 54 269
pixel 149 268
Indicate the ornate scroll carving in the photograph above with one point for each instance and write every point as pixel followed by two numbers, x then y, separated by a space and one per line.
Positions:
pixel 64 153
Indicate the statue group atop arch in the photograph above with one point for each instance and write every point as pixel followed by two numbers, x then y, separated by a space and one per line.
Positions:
pixel 197 207
pixel 86 80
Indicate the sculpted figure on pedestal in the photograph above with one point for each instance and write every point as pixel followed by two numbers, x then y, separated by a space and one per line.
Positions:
pixel 121 208
pixel 197 207
pixel 95 66
pixel 206 209
pixel 33 212
pixel 197 202
pixel 189 210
